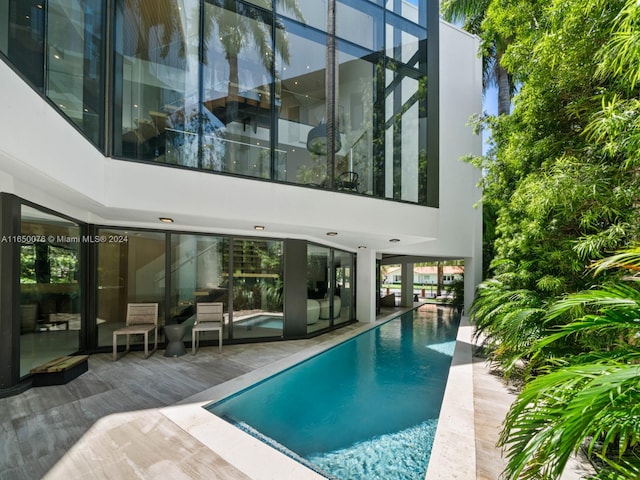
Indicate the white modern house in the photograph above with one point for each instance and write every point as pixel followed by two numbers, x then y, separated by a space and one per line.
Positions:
pixel 176 151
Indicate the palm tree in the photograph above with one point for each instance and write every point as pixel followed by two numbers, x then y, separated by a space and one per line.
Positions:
pixel 590 399
pixel 471 13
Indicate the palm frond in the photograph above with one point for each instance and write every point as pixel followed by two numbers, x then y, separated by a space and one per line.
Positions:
pixel 597 403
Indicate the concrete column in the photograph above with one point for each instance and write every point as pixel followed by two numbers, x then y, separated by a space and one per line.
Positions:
pixel 406 299
pixel 473 264
pixel 366 290
pixel 472 277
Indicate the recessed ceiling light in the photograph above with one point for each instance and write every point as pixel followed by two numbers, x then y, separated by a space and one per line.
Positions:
pixel 165 219
pixel 258 227
pixel 332 234
pixel 394 240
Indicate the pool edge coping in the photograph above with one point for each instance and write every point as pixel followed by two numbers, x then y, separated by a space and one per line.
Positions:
pixel 453 454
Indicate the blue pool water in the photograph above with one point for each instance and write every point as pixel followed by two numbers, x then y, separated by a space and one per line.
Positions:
pixel 365 409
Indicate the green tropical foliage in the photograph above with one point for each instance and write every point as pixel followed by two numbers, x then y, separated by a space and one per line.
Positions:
pixel 591 400
pixel 561 190
pixel 560 178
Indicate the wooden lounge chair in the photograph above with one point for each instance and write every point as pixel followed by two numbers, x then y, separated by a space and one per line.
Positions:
pixel 141 319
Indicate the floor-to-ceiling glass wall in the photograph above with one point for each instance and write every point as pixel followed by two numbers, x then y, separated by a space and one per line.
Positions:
pixel 330 287
pixel 199 273
pixel 131 269
pixel 405 119
pixel 156 75
pixel 58 46
pixel 358 60
pixel 319 287
pixel 237 76
pixel 303 101
pixel 257 283
pixel 50 287
pixel 343 297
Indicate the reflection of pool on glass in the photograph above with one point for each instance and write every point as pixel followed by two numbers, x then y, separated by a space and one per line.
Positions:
pixel 367 408
pixel 262 321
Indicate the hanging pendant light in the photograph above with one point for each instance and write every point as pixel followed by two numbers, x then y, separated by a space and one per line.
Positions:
pixel 317 139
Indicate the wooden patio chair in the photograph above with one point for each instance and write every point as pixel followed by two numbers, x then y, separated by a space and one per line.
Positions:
pixel 142 318
pixel 209 318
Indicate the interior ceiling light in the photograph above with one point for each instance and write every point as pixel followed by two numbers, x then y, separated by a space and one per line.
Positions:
pixel 258 227
pixel 165 219
pixel 361 247
pixel 332 234
pixel 394 240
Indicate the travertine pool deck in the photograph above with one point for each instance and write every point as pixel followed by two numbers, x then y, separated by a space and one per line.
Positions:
pixel 142 419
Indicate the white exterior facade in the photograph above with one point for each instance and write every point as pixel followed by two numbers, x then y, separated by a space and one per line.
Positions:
pixel 44 160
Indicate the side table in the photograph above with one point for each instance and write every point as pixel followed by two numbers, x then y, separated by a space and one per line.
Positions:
pixel 175 337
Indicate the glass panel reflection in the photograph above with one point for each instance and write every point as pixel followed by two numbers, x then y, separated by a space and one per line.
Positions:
pixel 199 273
pixel 74 62
pixel 237 96
pixel 344 288
pixel 356 87
pixel 131 269
pixel 303 105
pixel 257 288
pixel 58 47
pixel 318 288
pixel 156 98
pixel 50 292
pixel 22 24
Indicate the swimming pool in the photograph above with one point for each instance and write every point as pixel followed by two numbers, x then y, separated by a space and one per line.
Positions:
pixel 367 408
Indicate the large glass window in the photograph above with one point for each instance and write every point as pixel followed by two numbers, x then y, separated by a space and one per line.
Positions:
pixel 237 89
pixel 368 19
pixel 405 126
pixel 330 288
pixel 319 287
pixel 131 269
pixel 22 37
pixel 58 46
pixel 250 87
pixel 74 62
pixel 199 273
pixel 157 111
pixel 257 288
pixel 50 288
pixel 354 164
pixel 343 298
pixel 303 105
pixel 414 10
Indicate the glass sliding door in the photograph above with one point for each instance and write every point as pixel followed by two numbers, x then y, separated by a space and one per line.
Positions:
pixel 131 269
pixel 199 273
pixel 318 287
pixel 257 282
pixel 50 288
pixel 343 298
